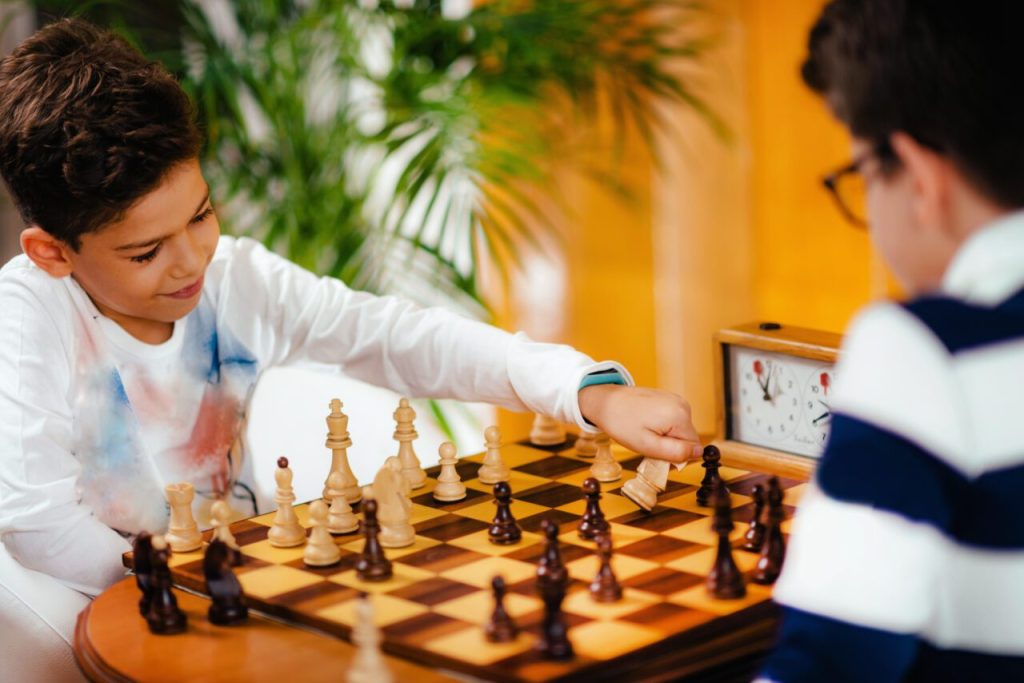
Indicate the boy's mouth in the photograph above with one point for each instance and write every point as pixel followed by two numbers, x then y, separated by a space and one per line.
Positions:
pixel 188 292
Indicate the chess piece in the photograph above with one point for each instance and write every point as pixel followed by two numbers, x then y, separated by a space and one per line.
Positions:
pixel 405 434
pixel 754 538
pixel 504 530
pixel 493 468
pixel 220 516
pixel 650 481
pixel 547 431
pixel 372 564
pixel 449 485
pixel 227 607
pixel 368 666
pixel 394 509
pixel 142 563
pixel 593 523
pixel 550 569
pixel 164 616
pixel 586 445
pixel 712 460
pixel 339 442
pixel 182 532
pixel 725 581
pixel 285 532
pixel 554 640
pixel 773 549
pixel 605 587
pixel 340 518
pixel 320 551
pixel 605 467
pixel 500 628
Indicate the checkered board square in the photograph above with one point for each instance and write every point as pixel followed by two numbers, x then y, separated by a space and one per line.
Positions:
pixel 435 606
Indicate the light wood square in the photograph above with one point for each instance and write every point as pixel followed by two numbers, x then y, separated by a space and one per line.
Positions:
pixel 699 531
pixel 581 602
pixel 519 482
pixel 418 543
pixel 787 526
pixel 478 607
pixel 387 610
pixel 688 502
pixel 484 511
pixel 421 513
pixel 481 572
pixel 613 506
pixel 480 543
pixel 624 566
pixel 700 562
pixel 697 597
pixel 517 455
pixel 471 645
pixel 577 479
pixel 605 640
pixel 402 576
pixel 692 473
pixel 794 494
pixel 264 551
pixel 267 582
pixel 622 535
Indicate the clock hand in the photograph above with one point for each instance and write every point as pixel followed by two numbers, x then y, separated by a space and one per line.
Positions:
pixel 821 417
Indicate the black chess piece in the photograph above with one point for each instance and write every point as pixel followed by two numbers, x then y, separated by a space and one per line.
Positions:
pixel 593 523
pixel 554 640
pixel 372 564
pixel 550 569
pixel 605 587
pixel 142 564
pixel 712 459
pixel 227 607
pixel 501 628
pixel 164 616
pixel 754 538
pixel 725 581
pixel 504 530
pixel 773 550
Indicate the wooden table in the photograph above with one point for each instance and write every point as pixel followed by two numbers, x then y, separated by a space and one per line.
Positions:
pixel 112 643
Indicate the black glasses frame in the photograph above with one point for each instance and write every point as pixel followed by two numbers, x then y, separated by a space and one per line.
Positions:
pixel 885 156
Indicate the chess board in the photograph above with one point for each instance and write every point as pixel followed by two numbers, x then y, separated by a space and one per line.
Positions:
pixel 435 606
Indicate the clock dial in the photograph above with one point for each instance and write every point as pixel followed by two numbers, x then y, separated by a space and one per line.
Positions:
pixel 817 404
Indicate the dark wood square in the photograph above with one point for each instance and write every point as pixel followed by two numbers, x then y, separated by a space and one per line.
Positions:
pixel 663 581
pixel 668 618
pixel 253 533
pixel 195 568
pixel 441 558
pixel 552 495
pixel 472 498
pixel 659 549
pixel 532 553
pixel 566 521
pixel 659 519
pixel 433 591
pixel 348 561
pixel 745 485
pixel 553 467
pixel 423 628
pixel 448 527
pixel 315 597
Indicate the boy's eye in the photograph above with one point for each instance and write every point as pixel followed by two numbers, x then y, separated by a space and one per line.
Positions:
pixel 148 256
pixel 204 215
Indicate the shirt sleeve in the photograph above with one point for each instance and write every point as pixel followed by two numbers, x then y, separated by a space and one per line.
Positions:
pixel 287 315
pixel 42 521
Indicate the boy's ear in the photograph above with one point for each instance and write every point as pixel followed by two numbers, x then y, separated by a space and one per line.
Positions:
pixel 46 251
pixel 930 178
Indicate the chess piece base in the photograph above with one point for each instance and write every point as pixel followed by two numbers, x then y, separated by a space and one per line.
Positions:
pixel 641 492
pixel 344 527
pixel 606 472
pixel 184 543
pixel 449 494
pixel 228 616
pixel 286 538
pixel 401 537
pixel 492 476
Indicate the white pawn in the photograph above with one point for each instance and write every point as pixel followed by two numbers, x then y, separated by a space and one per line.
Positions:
pixel 394 509
pixel 368 666
pixel 547 431
pixel 285 532
pixel 220 516
pixel 320 551
pixel 340 518
pixel 605 467
pixel 586 445
pixel 493 468
pixel 449 485
pixel 182 532
pixel 405 434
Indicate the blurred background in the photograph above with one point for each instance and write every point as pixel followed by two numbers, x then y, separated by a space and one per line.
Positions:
pixel 625 176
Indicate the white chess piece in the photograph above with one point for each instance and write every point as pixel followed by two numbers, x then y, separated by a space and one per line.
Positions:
pixel 182 532
pixel 405 434
pixel 285 531
pixel 651 479
pixel 340 518
pixel 339 441
pixel 220 516
pixel 368 666
pixel 586 445
pixel 605 467
pixel 547 431
pixel 493 468
pixel 320 551
pixel 449 485
pixel 394 509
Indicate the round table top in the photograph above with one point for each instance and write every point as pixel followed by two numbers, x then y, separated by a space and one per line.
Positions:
pixel 113 643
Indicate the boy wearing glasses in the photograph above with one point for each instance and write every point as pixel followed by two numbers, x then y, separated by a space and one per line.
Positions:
pixel 907 555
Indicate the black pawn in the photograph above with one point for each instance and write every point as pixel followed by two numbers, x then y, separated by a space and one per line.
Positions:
pixel 773 550
pixel 142 563
pixel 504 530
pixel 227 607
pixel 501 628
pixel 164 617
pixel 605 587
pixel 550 570
pixel 712 459
pixel 754 538
pixel 725 580
pixel 593 523
pixel 554 640
pixel 372 564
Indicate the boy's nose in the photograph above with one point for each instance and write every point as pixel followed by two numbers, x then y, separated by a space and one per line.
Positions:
pixel 189 258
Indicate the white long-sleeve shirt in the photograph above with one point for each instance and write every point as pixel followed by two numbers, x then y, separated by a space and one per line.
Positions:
pixel 94 423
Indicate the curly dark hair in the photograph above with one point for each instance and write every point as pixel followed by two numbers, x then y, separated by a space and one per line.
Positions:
pixel 87 127
pixel 942 71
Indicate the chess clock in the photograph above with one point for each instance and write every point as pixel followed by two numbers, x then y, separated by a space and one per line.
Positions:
pixel 774 385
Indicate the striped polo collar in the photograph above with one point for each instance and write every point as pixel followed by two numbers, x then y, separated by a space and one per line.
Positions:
pixel 989 266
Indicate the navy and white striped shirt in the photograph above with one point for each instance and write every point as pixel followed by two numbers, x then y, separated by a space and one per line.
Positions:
pixel 906 560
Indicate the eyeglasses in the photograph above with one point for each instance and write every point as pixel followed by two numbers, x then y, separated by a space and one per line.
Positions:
pixel 848 188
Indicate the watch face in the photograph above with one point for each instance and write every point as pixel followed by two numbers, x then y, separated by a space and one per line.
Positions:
pixel 778 401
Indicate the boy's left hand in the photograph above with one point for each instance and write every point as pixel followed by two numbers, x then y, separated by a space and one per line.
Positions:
pixel 648 421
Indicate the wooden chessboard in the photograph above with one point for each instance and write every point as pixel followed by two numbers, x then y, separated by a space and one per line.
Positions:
pixel 434 607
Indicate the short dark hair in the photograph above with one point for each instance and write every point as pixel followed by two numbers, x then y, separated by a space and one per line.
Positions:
pixel 943 71
pixel 87 127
